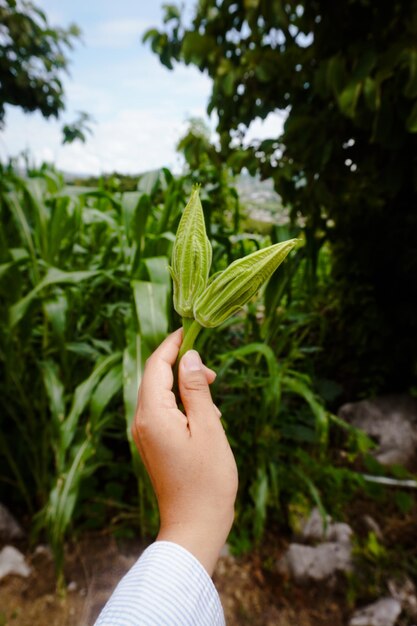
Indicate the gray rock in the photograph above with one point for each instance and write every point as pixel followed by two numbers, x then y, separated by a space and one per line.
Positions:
pixel 13 562
pixel 314 529
pixel 10 529
pixel 384 612
pixel 308 564
pixel 405 592
pixel 340 532
pixel 43 550
pixel 391 421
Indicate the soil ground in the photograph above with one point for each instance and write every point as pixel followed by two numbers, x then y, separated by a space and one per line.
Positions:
pixel 252 591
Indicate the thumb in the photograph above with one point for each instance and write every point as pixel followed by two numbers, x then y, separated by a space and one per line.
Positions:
pixel 193 386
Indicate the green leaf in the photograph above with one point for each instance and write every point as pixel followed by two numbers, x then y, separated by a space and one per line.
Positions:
pixel 410 89
pixel 297 385
pixel 63 497
pixel 158 270
pixel 349 97
pixel 130 201
pixel 314 493
pixel 196 48
pixel 411 123
pixel 251 5
pixel 151 302
pixel 259 492
pixel 108 387
pixel 6 267
pixel 273 386
pixel 56 308
pixel 82 397
pixel 134 358
pixel 23 225
pixel 335 74
pixel 54 276
pixel 149 182
pixel 55 390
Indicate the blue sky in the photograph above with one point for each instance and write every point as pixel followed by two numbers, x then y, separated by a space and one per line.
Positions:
pixel 140 108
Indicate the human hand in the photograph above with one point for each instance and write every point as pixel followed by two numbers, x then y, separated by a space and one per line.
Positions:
pixel 187 456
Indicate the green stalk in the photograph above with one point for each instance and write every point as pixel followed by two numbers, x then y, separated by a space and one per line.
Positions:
pixel 191 332
pixel 186 323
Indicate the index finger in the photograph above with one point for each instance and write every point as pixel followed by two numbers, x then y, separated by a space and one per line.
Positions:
pixel 158 377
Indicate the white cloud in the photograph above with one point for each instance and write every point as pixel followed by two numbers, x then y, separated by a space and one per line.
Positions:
pixel 131 141
pixel 92 98
pixel 117 33
pixel 269 128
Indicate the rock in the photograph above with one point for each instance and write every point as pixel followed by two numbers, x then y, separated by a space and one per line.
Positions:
pixel 13 562
pixel 43 550
pixel 340 532
pixel 406 594
pixel 308 564
pixel 314 529
pixel 9 527
pixel 384 612
pixel 391 421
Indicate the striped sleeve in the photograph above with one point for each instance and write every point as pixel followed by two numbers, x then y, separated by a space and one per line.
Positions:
pixel 167 586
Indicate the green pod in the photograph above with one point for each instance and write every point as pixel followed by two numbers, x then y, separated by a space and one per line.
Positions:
pixel 229 290
pixel 191 257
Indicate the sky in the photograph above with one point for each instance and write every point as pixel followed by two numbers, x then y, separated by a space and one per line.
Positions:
pixel 140 109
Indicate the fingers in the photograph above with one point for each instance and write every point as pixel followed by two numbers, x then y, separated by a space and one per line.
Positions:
pixel 210 375
pixel 157 381
pixel 193 386
pixel 158 378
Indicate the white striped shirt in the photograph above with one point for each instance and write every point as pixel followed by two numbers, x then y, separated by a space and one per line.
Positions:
pixel 167 586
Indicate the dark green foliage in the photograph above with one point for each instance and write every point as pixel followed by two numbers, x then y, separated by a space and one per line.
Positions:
pixel 346 72
pixel 85 298
pixel 32 58
pixel 77 129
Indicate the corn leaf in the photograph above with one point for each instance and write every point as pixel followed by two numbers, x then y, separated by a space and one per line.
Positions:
pixel 82 397
pixel 54 276
pixel 108 387
pixel 151 304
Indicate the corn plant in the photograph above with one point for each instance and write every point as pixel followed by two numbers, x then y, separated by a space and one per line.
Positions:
pixel 86 296
pixel 83 280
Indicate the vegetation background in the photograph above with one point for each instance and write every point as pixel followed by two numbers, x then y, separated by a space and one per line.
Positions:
pixel 86 293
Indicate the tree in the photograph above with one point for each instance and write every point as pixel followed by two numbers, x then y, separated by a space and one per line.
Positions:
pixel 32 59
pixel 78 129
pixel 346 73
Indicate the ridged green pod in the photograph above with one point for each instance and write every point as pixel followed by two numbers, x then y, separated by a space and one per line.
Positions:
pixel 231 289
pixel 191 257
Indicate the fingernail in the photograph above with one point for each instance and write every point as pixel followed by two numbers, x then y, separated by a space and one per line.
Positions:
pixel 191 361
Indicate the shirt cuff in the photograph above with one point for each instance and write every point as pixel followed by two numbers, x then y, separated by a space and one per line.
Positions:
pixel 167 586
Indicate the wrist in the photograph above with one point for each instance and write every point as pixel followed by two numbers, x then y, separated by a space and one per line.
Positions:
pixel 204 540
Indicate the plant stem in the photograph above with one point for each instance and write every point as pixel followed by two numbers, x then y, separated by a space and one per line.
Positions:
pixel 191 331
pixel 186 323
